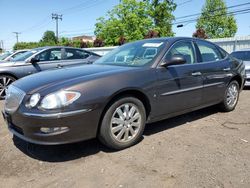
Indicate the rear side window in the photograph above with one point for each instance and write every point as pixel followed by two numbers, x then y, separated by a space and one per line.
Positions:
pixel 76 54
pixel 209 52
pixel 242 55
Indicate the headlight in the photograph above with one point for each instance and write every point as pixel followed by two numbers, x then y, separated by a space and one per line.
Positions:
pixel 59 99
pixel 34 99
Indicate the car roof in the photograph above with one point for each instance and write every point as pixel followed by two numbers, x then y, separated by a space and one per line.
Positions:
pixel 68 47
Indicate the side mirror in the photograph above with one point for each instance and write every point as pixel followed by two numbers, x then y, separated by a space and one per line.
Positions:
pixel 175 60
pixel 34 60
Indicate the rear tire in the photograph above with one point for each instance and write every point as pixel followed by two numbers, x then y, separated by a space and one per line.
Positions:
pixel 123 123
pixel 5 81
pixel 231 96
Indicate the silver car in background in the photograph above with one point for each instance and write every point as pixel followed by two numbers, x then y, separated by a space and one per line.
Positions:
pixel 244 55
pixel 8 56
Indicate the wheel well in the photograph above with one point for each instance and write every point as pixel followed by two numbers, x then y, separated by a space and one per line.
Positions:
pixel 8 74
pixel 238 79
pixel 132 93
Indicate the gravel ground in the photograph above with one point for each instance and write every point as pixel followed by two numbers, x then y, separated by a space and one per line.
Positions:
pixel 206 148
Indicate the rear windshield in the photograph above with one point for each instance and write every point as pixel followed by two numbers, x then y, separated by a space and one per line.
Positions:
pixel 242 55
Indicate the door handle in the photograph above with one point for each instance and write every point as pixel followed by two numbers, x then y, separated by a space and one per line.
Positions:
pixel 196 74
pixel 59 66
pixel 226 69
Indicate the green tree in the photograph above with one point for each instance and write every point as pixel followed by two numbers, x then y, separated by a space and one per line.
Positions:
pixel 49 37
pixel 216 21
pixel 132 19
pixel 161 12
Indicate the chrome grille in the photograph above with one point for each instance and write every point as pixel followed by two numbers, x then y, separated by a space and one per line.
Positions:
pixel 13 99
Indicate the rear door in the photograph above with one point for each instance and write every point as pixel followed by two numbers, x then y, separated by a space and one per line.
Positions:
pixel 74 57
pixel 179 86
pixel 215 71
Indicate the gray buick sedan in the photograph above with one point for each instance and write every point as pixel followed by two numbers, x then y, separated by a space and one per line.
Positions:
pixel 113 99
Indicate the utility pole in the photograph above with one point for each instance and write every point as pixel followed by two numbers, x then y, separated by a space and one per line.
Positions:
pixel 57 17
pixel 2 46
pixel 16 33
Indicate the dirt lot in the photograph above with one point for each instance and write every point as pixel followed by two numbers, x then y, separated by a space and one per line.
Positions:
pixel 206 148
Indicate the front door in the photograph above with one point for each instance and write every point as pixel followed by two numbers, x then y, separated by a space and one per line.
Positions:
pixel 179 86
pixel 47 59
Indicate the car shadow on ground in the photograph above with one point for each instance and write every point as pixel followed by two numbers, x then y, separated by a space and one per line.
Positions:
pixel 68 152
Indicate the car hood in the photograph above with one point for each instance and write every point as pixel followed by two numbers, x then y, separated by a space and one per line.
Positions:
pixel 55 78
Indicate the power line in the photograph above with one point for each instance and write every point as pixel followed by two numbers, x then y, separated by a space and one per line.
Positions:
pixel 236 12
pixel 197 14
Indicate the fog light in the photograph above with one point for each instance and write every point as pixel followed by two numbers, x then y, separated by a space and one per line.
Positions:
pixel 48 130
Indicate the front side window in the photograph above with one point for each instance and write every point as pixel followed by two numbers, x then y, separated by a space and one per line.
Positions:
pixel 76 54
pixel 135 54
pixel 184 49
pixel 50 55
pixel 208 51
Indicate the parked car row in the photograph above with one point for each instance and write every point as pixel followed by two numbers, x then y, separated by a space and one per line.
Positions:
pixel 113 98
pixel 40 59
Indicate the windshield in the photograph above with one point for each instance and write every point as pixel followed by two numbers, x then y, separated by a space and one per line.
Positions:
pixel 4 55
pixel 134 54
pixel 24 56
pixel 242 55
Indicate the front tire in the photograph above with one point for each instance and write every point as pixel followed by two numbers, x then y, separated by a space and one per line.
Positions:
pixel 231 96
pixel 123 123
pixel 5 81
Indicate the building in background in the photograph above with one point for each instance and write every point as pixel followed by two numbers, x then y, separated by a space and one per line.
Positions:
pixel 85 38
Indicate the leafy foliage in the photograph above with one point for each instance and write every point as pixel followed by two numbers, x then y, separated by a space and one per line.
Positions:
pixel 98 42
pixel 45 42
pixel 49 37
pixel 216 21
pixel 152 34
pixel 161 12
pixel 132 19
pixel 200 33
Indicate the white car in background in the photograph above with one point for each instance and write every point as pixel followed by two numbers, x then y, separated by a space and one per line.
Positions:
pixel 244 55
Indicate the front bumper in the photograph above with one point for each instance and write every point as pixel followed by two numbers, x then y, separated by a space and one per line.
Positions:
pixel 81 125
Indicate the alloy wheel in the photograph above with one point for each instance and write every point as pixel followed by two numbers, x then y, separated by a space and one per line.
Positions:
pixel 232 95
pixel 125 122
pixel 5 81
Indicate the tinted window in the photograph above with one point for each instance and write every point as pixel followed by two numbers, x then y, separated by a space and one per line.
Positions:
pixel 50 55
pixel 242 55
pixel 208 51
pixel 76 54
pixel 184 49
